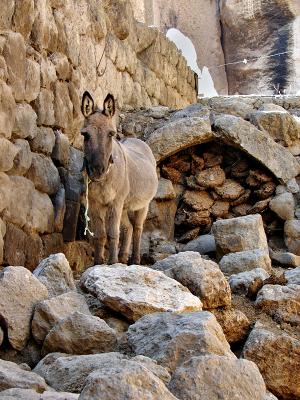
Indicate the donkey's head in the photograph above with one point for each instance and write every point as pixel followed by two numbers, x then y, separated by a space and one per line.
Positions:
pixel 98 132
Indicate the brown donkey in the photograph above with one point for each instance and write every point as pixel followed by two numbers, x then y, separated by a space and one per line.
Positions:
pixel 123 182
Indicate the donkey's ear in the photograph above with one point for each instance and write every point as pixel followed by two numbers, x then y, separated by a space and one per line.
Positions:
pixel 87 104
pixel 109 106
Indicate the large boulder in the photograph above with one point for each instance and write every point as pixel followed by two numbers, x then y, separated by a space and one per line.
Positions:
pixel 239 234
pixel 217 377
pixel 127 379
pixel 14 376
pixel 55 273
pixel 49 312
pixel 281 302
pixel 203 277
pixel 20 292
pixel 171 339
pixel 180 134
pixel 278 359
pixel 238 132
pixel 135 290
pixel 277 122
pixel 80 334
pixel 242 261
pixel 68 373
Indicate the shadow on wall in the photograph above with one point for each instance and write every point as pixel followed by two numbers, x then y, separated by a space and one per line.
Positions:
pixel 185 45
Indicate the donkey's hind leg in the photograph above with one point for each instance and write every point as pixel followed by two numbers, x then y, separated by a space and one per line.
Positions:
pixel 138 223
pixel 126 236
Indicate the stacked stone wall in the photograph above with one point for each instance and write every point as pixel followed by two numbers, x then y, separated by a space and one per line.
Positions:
pixel 50 52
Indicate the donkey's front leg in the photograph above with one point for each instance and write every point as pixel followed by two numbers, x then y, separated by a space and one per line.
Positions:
pixel 100 238
pixel 115 213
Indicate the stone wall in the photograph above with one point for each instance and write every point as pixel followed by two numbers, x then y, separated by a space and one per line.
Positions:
pixel 50 52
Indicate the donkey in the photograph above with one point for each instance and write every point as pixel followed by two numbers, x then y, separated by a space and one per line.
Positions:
pixel 123 182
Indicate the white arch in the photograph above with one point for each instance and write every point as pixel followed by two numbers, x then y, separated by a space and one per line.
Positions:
pixel 184 43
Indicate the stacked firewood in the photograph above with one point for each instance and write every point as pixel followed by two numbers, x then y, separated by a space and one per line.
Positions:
pixel 216 181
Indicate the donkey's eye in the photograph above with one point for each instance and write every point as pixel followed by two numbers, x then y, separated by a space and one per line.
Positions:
pixel 86 135
pixel 112 133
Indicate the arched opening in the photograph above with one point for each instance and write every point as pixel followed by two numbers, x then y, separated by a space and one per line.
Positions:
pixel 186 46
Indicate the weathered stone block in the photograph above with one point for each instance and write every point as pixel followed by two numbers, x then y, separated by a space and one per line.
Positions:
pixel 8 152
pixel 25 122
pixel 292 236
pixel 44 141
pixel 239 234
pixel 7 110
pixel 23 17
pixel 6 15
pixel 23 158
pixel 33 80
pixel 61 64
pixel 29 208
pixel 247 260
pixel 20 291
pixel 43 106
pixel 21 248
pixel 63 106
pixel 44 174
pixel 14 52
pixel 48 73
pixel 61 150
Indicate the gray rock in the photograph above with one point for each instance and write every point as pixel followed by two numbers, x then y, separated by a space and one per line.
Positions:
pixel 202 277
pixel 14 376
pixel 55 273
pixel 236 131
pixel 68 373
pixel 242 261
pixel 292 185
pixel 44 174
pixel 29 394
pixel 171 339
pixel 239 234
pixel 23 158
pixel 44 141
pixel 127 379
pixel 283 205
pixel 49 312
pixel 180 134
pixel 293 276
pixel 165 190
pixel 20 292
pixel 61 150
pixel 241 282
pixel 136 290
pixel 203 244
pixel 217 377
pixel 278 358
pixel 234 323
pixel 281 302
pixel 292 236
pixel 270 396
pixel 80 334
pixel 285 258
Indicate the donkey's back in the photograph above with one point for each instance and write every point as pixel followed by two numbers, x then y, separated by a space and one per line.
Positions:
pixel 141 172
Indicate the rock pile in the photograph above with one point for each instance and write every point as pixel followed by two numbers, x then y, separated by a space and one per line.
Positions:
pixel 134 331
